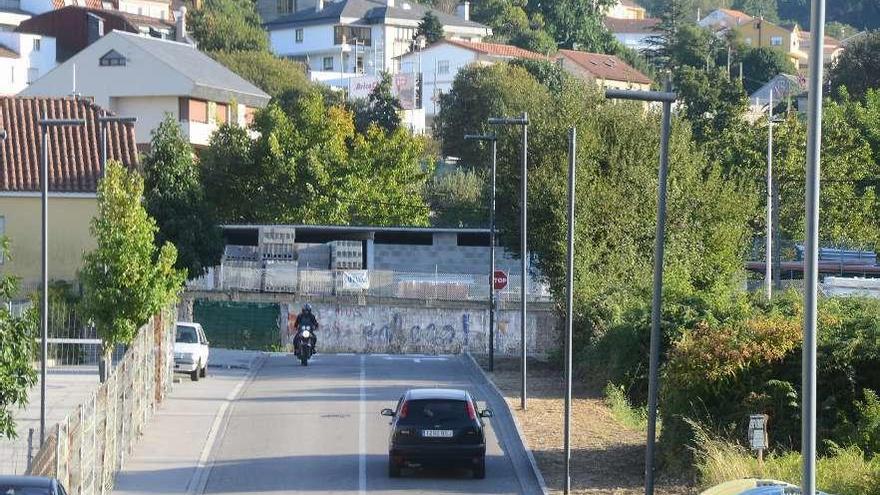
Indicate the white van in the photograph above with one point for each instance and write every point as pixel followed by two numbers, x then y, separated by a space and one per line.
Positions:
pixel 191 350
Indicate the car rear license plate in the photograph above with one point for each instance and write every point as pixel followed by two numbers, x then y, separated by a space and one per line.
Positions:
pixel 437 433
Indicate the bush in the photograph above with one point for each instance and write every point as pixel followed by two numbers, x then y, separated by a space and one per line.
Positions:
pixel 635 418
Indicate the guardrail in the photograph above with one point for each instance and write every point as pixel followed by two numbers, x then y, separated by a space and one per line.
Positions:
pixel 88 447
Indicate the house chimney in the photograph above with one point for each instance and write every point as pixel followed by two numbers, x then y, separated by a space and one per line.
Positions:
pixel 464 11
pixel 319 5
pixel 180 30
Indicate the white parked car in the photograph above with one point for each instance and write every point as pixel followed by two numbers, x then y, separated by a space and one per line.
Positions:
pixel 191 350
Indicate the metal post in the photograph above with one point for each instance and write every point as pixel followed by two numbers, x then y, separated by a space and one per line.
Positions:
pixel 523 121
pixel 44 306
pixel 666 98
pixel 30 452
pixel 572 154
pixel 768 264
pixel 777 251
pixel 811 254
pixel 492 301
pixel 524 247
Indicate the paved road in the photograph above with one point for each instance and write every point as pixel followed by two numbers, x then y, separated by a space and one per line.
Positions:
pixel 287 428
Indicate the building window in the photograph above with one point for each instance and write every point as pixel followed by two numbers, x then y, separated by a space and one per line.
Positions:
pixel 222 113
pixel 299 35
pixel 287 6
pixel 404 34
pixel 249 115
pixel 112 59
pixel 191 110
pixel 328 63
pixel 443 67
pixel 776 41
pixel 350 34
pixel 36 44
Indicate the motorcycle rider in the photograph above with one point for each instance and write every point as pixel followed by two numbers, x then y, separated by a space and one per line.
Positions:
pixel 305 317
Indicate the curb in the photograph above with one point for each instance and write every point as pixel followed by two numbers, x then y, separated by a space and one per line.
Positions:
pixel 531 457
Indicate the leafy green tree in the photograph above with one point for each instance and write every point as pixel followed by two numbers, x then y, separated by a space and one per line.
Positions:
pixel 18 337
pixel 126 279
pixel 458 198
pixel 759 8
pixel 382 108
pixel 175 198
pixel 713 102
pixel 274 75
pixel 760 65
pixel 673 16
pixel 840 30
pixel 575 23
pixel 228 25
pixel 858 67
pixel 232 184
pixel 430 27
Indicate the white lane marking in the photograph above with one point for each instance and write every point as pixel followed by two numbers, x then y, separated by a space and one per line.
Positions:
pixel 199 478
pixel 362 434
pixel 416 359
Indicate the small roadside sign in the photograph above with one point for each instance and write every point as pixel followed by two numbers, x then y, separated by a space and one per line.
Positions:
pixel 500 280
pixel 758 432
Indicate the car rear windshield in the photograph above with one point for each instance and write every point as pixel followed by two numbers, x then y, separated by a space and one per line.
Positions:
pixel 23 490
pixel 435 411
pixel 185 335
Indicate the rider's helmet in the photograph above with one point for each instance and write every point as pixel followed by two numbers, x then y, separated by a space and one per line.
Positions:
pixel 307 308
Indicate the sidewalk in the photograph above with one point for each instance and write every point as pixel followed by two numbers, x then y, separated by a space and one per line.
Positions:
pixel 66 388
pixel 175 445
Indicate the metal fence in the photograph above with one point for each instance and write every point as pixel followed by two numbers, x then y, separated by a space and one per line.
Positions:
pixel 88 447
pixel 258 277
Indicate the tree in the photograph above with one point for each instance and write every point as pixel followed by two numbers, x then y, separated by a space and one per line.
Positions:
pixel 760 65
pixel 175 198
pixel 430 27
pixel 714 103
pixel 840 30
pixel 759 8
pixel 858 67
pixel 576 24
pixel 673 16
pixel 382 108
pixel 228 25
pixel 126 279
pixel 18 337
pixel 274 75
pixel 458 198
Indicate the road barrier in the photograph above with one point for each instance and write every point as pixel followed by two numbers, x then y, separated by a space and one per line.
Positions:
pixel 86 449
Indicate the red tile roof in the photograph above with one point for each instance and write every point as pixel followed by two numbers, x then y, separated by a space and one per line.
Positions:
pixel 74 153
pixel 6 52
pixel 497 50
pixel 603 66
pixel 91 4
pixel 632 26
pixel 742 16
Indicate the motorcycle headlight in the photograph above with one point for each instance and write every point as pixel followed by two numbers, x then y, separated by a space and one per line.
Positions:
pixel 306 334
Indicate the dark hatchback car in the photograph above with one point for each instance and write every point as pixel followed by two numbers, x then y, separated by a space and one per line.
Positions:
pixel 437 427
pixel 30 485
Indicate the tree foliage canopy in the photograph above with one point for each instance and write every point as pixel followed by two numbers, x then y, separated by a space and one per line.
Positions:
pixel 274 75
pixel 228 25
pixel 858 67
pixel 126 279
pixel 382 108
pixel 174 197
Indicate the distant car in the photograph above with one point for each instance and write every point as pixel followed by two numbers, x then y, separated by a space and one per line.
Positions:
pixel 437 427
pixel 30 485
pixel 191 350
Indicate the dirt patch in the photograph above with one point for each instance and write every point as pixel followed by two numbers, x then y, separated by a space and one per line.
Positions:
pixel 607 457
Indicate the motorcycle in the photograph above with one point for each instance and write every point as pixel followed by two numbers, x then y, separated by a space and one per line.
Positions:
pixel 305 350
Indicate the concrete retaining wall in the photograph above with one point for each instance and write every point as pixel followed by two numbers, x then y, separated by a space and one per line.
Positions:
pixel 399 329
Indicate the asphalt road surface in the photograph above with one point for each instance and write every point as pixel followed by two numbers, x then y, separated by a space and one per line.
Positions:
pixel 317 429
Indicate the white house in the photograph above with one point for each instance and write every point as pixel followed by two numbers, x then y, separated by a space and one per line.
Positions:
pixel 143 77
pixel 359 36
pixel 633 33
pixel 24 58
pixel 723 19
pixel 440 63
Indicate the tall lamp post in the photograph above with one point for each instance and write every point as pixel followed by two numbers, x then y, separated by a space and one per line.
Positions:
pixel 45 125
pixel 666 98
pixel 494 140
pixel 522 121
pixel 811 251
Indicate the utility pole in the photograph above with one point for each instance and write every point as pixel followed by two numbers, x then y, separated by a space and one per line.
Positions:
pixel 45 125
pixel 666 98
pixel 522 121
pixel 572 160
pixel 768 268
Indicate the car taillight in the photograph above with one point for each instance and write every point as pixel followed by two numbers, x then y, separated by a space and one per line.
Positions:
pixel 404 410
pixel 472 413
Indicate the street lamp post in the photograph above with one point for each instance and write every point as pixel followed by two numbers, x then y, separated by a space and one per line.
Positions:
pixel 811 251
pixel 569 323
pixel 45 125
pixel 666 98
pixel 494 140
pixel 522 121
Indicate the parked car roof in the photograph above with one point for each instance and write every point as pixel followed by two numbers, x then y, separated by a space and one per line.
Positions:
pixel 36 481
pixel 437 393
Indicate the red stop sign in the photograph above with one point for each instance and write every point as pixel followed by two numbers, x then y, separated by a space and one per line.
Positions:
pixel 500 280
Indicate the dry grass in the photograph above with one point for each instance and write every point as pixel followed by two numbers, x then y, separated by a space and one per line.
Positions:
pixel 607 456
